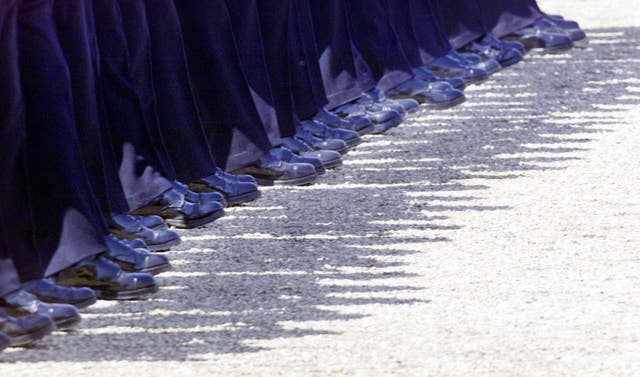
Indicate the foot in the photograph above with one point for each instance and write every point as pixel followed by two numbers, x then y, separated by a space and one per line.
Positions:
pixel 317 143
pixel 322 131
pixel 536 38
pixel 426 75
pixel 21 303
pixel 428 95
pixel 504 55
pixel 402 106
pixel 451 66
pixel 135 260
pixel 108 280
pixel 181 213
pixel 46 290
pixel 236 189
pixel 152 222
pixel 360 124
pixel 199 198
pixel 25 330
pixel 273 170
pixel 127 227
pixel 329 159
pixel 383 117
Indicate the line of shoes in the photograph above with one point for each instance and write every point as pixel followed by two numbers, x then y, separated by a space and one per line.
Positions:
pixel 320 141
pixel 125 271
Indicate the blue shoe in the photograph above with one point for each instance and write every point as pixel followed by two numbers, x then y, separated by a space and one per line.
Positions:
pixel 179 212
pixel 536 38
pixel 450 66
pixel 322 131
pixel 24 330
pixel 306 136
pixel 382 117
pixel 233 177
pixel 237 189
pixel 376 104
pixel 202 198
pixel 437 82
pixel 135 260
pixel 402 106
pixel 21 303
pixel 360 124
pixel 152 222
pixel 329 159
pixel 127 227
pixel 499 44
pixel 272 170
pixel 47 291
pixel 575 33
pixel 505 56
pixel 107 280
pixel 286 155
pixel 428 95
pixel 489 65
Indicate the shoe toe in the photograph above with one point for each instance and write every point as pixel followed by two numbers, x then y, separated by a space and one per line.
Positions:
pixel 245 188
pixel 475 75
pixel 359 123
pixel 409 105
pixel 165 236
pixel 332 145
pixel 205 209
pixel 383 116
pixel 29 328
pixel 490 66
pixel 515 45
pixel 457 82
pixel 510 56
pixel 60 314
pixel 556 41
pixel 445 97
pixel 298 170
pixel 327 157
pixel 211 197
pixel 138 243
pixel 154 262
pixel 348 136
pixel 135 281
pixel 440 85
pixel 81 295
pixel 152 222
pixel 576 34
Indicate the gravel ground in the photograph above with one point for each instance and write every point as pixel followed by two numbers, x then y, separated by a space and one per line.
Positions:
pixel 498 238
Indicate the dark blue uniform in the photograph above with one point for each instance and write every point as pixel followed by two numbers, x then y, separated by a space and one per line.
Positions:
pixel 245 25
pixel 335 49
pixel 178 119
pixel 461 21
pixel 68 225
pixel 308 88
pixel 428 31
pixel 503 17
pixel 139 176
pixel 76 33
pixel 379 57
pixel 15 225
pixel 233 124
pixel 135 24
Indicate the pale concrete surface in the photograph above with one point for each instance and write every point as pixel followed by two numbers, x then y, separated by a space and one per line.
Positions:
pixel 498 238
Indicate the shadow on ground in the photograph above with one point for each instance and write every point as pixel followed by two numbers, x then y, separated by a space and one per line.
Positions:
pixel 304 255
